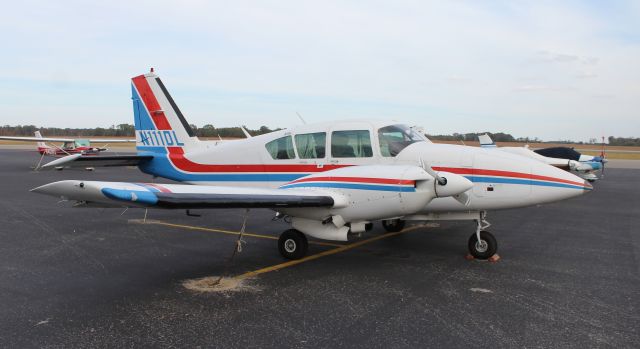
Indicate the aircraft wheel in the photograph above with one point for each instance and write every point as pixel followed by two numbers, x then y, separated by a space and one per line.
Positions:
pixel 293 244
pixel 485 248
pixel 393 225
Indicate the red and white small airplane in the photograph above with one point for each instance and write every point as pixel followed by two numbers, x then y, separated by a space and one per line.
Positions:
pixel 69 145
pixel 330 180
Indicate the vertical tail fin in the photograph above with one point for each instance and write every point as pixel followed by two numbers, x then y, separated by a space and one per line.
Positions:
pixel 40 144
pixel 158 122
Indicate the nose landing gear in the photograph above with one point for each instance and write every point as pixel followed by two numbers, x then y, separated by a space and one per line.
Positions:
pixel 483 247
pixel 482 244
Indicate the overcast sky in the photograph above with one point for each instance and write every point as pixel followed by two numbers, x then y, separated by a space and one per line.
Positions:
pixel 548 69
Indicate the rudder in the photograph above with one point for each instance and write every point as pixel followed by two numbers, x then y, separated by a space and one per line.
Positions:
pixel 159 123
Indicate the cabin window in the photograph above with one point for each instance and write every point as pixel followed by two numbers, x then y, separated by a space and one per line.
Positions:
pixel 395 138
pixel 311 145
pixel 351 144
pixel 281 148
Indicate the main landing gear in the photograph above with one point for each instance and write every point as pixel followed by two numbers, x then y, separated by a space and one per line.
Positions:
pixel 293 244
pixel 393 225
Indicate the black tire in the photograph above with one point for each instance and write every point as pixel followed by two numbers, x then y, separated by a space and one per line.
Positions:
pixel 485 250
pixel 393 225
pixel 293 244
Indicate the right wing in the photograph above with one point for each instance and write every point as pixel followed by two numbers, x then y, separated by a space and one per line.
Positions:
pixel 183 196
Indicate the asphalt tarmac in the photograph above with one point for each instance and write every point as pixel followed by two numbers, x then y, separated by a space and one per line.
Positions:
pixel 569 276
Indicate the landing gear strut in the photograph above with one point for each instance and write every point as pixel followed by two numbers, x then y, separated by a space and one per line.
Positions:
pixel 393 225
pixel 482 244
pixel 293 244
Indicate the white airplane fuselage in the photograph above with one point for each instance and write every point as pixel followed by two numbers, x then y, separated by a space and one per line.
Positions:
pixel 501 180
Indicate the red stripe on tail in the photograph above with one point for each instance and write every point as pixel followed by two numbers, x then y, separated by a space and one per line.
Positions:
pixel 150 101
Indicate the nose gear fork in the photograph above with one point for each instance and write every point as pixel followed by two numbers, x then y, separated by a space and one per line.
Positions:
pixel 482 244
pixel 481 224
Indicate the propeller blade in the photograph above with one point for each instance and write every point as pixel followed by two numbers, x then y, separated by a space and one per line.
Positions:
pixel 434 174
pixel 463 198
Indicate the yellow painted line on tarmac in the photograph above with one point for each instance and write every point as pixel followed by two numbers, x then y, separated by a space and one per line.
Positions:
pixel 229 232
pixel 342 248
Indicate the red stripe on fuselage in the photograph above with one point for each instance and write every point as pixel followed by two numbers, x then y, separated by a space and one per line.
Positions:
pixel 150 101
pixel 177 158
pixel 356 180
pixel 478 171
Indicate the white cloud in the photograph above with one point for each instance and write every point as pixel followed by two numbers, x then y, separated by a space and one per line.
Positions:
pixel 450 66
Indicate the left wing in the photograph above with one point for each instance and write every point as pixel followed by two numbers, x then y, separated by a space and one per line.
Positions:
pixel 182 196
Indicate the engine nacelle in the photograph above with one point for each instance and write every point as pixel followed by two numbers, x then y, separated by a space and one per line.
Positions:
pixel 368 193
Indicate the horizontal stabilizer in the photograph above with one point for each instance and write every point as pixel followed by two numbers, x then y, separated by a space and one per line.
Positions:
pixel 486 141
pixel 77 160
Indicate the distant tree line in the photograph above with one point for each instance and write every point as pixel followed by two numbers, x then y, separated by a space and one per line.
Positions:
pixel 473 137
pixel 624 141
pixel 208 130
pixel 124 130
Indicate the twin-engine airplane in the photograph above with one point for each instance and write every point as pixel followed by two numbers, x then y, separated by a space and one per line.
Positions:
pixel 562 157
pixel 330 179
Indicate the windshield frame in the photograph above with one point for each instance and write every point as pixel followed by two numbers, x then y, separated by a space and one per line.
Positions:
pixel 391 146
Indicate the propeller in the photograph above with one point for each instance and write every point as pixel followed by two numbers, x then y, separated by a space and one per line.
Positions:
pixel 461 197
pixel 603 157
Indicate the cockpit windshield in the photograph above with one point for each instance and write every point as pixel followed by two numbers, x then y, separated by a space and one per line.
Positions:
pixel 82 143
pixel 394 138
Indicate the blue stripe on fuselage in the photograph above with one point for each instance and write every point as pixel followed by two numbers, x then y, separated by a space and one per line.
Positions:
pixel 480 179
pixel 349 186
pixel 161 166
